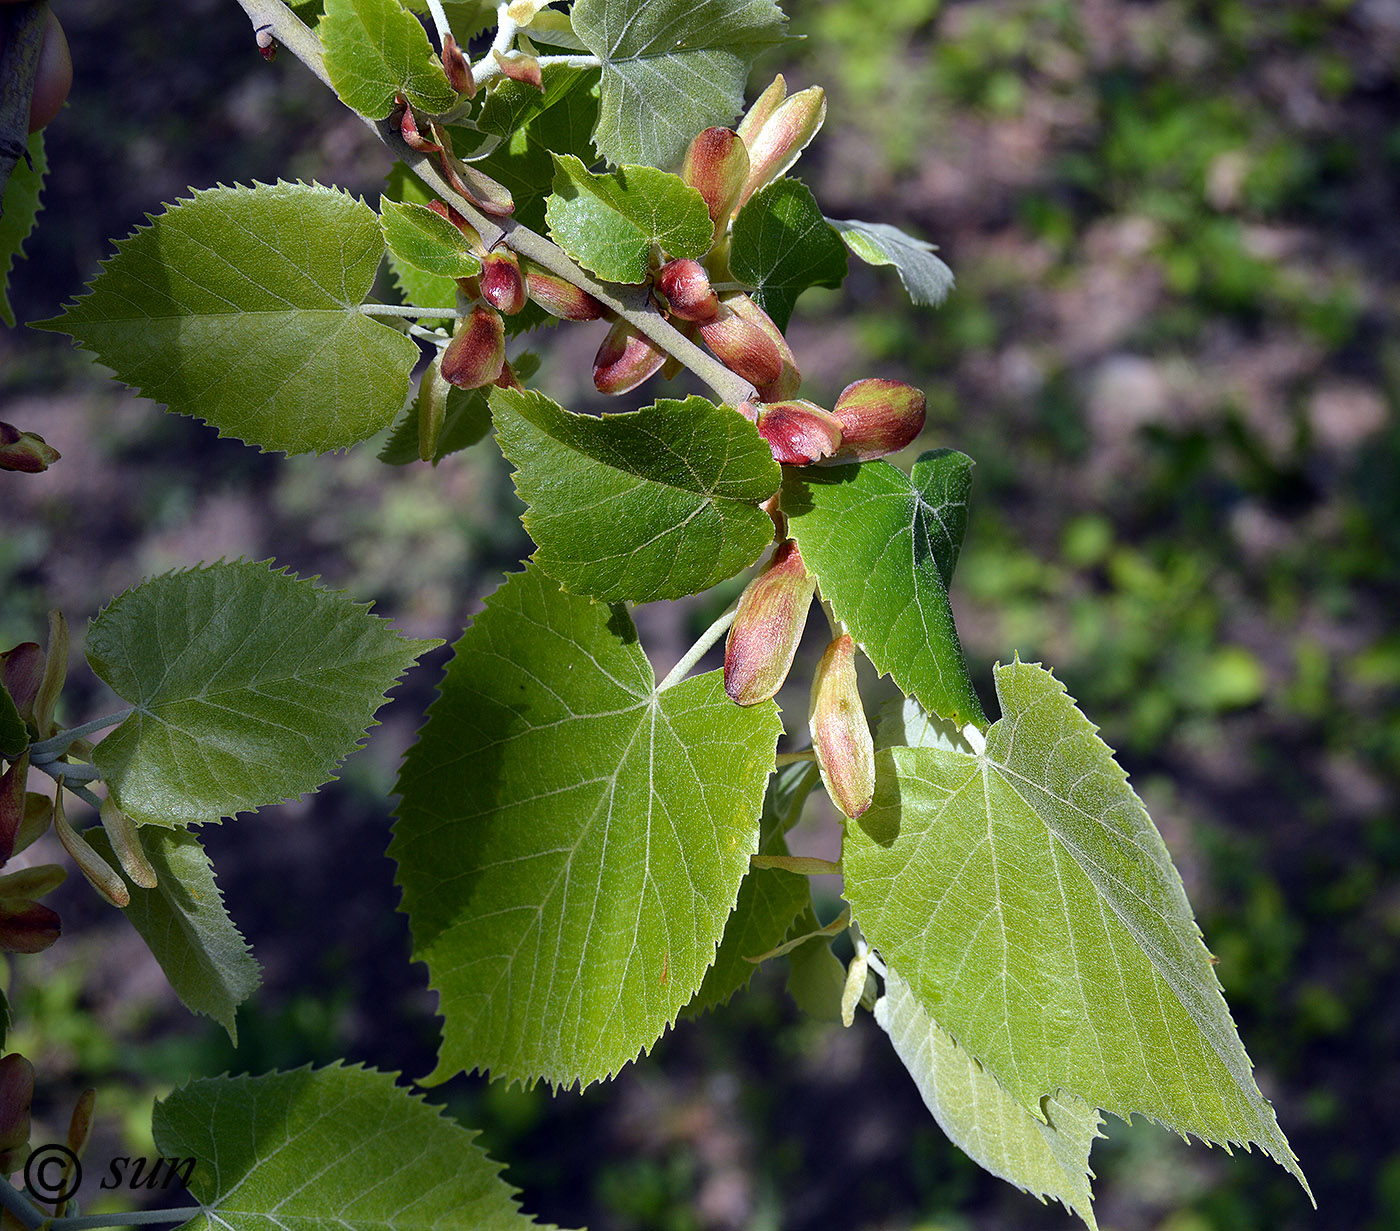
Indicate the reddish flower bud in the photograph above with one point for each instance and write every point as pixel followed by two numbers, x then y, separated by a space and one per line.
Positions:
pixel 717 166
pixel 458 70
pixel 799 432
pixel 877 417
pixel 522 68
pixel 560 297
pixel 502 285
pixel 840 733
pixel 408 130
pixel 625 359
pixel 789 379
pixel 267 43
pixel 761 108
pixel 477 352
pixel 507 379
pixel 685 287
pixel 24 451
pixel 775 146
pixel 744 348
pixel 16 1098
pixel 27 927
pixel 768 626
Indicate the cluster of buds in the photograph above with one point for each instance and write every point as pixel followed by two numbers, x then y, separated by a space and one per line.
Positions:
pixel 871 418
pixel 24 451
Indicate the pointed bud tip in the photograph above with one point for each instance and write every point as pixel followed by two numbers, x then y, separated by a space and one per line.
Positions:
pixel 685 287
pixel 877 417
pixel 767 627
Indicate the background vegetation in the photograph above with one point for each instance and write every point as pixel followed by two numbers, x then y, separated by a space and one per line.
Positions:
pixel 1173 352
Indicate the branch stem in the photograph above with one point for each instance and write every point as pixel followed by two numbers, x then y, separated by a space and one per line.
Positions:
pixel 132 1218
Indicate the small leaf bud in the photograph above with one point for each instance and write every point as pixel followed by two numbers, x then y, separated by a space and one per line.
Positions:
pixel 488 195
pixel 840 734
pixel 717 166
pixel 783 136
pixel 25 452
pixel 455 65
pixel 477 352
pixel 625 359
pixel 55 672
pixel 558 296
pixel 685 287
pixel 767 627
pixel 742 347
pixel 878 417
pixel 267 43
pixel 761 108
pixel 522 68
pixel 126 844
pixel 22 673
pixel 98 871
pixel 789 380
pixel 502 285
pixel 408 130
pixel 799 432
pixel 80 1122
pixel 27 927
pixel 16 1099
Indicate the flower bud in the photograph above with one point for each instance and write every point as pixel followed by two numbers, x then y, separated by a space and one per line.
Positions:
pixel 783 136
pixel 840 733
pixel 742 347
pixel 625 359
pixel 717 166
pixel 685 287
pixel 522 68
pixel 126 844
pixel 458 70
pixel 877 417
pixel 24 451
pixel 789 379
pixel 768 626
pixel 27 927
pixel 267 43
pixel 98 871
pixel 16 1098
pixel 761 108
pixel 799 432
pixel 560 297
pixel 477 352
pixel 502 285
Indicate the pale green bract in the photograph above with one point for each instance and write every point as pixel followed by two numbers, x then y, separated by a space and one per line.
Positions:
pixel 250 686
pixel 611 223
pixel 671 68
pixel 337 1148
pixel 241 307
pixel 656 503
pixel 426 240
pixel 570 840
pixel 1029 902
pixel 375 50
pixel 781 245
pixel 21 208
pixel 186 927
pixel 925 277
pixel 1049 1158
pixel 883 546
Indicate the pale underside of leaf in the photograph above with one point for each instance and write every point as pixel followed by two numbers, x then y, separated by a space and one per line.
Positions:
pixel 1047 1157
pixel 570 842
pixel 925 276
pixel 1029 902
pixel 338 1148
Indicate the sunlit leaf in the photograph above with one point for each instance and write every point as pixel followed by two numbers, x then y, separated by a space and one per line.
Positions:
pixel 781 245
pixel 375 50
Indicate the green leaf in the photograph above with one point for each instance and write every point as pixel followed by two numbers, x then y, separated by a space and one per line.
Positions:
pixel 570 841
pixel 466 420
pixel 671 68
pixel 426 240
pixel 14 735
pixel 21 208
pixel 781 245
pixel 657 503
pixel 770 899
pixel 610 223
pixel 524 160
pixel 186 927
pixel 375 50
pixel 241 307
pixel 883 546
pixel 342 1147
pixel 1030 904
pixel 927 279
pixel 1048 1158
pixel 250 686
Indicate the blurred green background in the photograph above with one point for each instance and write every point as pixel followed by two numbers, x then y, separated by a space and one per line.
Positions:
pixel 1172 352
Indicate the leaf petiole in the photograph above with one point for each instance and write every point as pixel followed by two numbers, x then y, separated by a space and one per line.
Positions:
pixel 698 650
pixel 46 750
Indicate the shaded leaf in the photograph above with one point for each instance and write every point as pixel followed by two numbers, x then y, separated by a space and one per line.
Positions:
pixel 926 278
pixel 21 208
pixel 610 223
pixel 883 546
pixel 657 503
pixel 310 1148
pixel 570 841
pixel 375 49
pixel 250 686
pixel 781 245
pixel 14 735
pixel 240 307
pixel 671 68
pixel 1030 904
